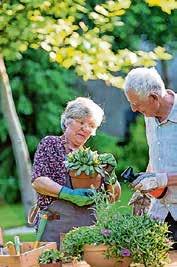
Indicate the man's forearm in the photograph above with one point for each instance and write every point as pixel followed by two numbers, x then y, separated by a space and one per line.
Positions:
pixel 45 186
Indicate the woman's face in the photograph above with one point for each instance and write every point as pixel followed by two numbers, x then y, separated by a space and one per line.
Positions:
pixel 78 131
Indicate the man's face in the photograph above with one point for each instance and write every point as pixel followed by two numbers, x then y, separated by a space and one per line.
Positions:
pixel 147 105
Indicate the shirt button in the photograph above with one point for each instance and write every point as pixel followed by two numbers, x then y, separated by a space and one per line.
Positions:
pixel 158 143
pixel 159 159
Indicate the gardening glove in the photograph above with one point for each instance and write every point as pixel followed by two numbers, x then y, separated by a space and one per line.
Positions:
pixel 140 203
pixel 147 182
pixel 79 197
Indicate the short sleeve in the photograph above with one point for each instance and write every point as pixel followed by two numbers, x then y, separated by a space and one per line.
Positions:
pixel 44 157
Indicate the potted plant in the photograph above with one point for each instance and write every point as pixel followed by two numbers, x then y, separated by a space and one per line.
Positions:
pixel 84 165
pixel 117 239
pixel 51 258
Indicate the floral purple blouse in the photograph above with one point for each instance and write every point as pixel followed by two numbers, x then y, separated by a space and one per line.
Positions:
pixel 49 160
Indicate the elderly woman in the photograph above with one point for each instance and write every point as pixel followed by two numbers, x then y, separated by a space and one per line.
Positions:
pixel 65 207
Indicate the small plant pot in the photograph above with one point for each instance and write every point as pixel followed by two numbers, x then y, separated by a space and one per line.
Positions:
pixel 95 257
pixel 57 264
pixel 85 181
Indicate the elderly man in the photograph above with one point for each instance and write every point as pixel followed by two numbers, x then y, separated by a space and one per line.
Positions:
pixel 146 94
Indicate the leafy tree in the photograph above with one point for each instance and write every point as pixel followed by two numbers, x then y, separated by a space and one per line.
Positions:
pixel 159 30
pixel 34 81
pixel 166 5
pixel 62 29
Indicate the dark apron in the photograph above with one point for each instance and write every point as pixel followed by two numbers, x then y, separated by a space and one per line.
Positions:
pixel 67 216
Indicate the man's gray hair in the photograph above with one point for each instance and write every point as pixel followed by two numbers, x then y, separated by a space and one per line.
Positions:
pixel 144 81
pixel 80 108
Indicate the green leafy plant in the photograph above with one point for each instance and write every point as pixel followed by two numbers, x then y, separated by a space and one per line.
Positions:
pixel 51 256
pixel 90 162
pixel 140 237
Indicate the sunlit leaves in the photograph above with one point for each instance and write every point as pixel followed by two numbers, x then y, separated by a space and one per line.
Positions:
pixel 108 14
pixel 162 54
pixel 74 33
pixel 166 5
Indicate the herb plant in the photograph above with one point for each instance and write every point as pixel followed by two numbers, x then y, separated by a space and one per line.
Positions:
pixel 51 256
pixel 140 237
pixel 90 162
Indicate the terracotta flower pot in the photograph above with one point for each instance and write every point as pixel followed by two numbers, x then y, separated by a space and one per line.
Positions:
pixel 95 257
pixel 57 264
pixel 85 181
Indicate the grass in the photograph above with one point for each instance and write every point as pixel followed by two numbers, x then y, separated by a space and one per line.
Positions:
pixel 23 237
pixel 12 215
pixel 126 195
pixel 122 204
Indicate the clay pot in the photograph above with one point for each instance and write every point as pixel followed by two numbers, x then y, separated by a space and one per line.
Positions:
pixel 95 257
pixel 85 181
pixel 57 264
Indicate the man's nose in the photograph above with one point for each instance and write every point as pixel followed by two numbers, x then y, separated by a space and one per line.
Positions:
pixel 134 108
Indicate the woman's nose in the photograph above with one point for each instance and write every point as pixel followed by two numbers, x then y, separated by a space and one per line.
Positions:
pixel 87 128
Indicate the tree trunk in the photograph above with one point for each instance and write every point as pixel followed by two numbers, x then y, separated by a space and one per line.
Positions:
pixel 19 145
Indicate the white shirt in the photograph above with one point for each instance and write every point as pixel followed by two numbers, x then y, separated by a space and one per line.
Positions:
pixel 162 141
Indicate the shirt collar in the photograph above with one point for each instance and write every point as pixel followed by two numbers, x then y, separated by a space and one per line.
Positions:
pixel 173 113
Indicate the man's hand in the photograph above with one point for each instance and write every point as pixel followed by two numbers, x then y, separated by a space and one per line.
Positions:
pixel 140 203
pixel 79 197
pixel 147 182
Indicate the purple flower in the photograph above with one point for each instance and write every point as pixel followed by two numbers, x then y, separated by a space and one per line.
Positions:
pixel 106 232
pixel 125 252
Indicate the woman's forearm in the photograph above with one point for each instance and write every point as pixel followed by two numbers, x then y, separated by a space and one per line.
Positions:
pixel 45 186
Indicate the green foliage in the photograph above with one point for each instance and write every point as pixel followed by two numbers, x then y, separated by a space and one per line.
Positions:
pixel 160 31
pixel 75 240
pixel 50 256
pixel 9 190
pixel 122 233
pixel 76 34
pixel 34 81
pixel 104 143
pixel 135 152
pixel 12 215
pixel 41 90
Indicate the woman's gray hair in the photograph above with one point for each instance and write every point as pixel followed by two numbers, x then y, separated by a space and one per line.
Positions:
pixel 80 108
pixel 144 81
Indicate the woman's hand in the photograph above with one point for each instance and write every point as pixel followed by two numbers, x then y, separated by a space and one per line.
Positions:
pixel 80 197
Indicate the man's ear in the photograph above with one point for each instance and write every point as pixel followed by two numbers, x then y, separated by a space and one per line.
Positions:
pixel 153 97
